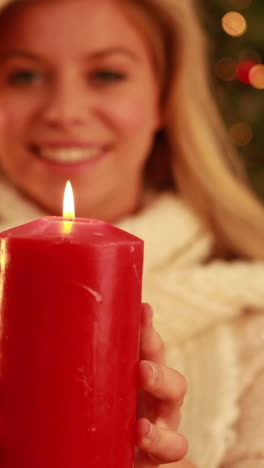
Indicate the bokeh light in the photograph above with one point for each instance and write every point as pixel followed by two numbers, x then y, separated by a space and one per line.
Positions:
pixel 234 24
pixel 256 76
pixel 243 70
pixel 225 69
pixel 241 134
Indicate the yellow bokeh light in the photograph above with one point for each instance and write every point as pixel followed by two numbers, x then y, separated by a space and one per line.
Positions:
pixel 241 134
pixel 234 24
pixel 256 76
pixel 225 69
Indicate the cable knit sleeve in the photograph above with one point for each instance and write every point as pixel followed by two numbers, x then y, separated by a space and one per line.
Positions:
pixel 247 451
pixel 197 297
pixel 198 310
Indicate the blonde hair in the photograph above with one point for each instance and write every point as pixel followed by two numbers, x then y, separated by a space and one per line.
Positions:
pixel 194 146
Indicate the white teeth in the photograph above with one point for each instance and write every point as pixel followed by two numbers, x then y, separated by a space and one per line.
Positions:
pixel 69 155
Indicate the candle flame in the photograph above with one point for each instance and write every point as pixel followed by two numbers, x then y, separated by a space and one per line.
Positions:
pixel 68 202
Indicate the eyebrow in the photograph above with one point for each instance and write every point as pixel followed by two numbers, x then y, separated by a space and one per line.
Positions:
pixel 114 51
pixel 92 55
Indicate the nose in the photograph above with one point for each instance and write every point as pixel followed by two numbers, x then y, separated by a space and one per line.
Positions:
pixel 66 104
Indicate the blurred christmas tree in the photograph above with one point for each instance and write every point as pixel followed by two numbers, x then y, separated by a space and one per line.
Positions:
pixel 237 30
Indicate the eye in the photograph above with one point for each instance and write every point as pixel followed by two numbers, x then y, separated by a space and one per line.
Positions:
pixel 23 77
pixel 106 76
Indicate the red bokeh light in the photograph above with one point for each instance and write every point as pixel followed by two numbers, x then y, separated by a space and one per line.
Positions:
pixel 243 69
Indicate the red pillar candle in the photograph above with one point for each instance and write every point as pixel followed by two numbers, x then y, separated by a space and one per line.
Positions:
pixel 70 294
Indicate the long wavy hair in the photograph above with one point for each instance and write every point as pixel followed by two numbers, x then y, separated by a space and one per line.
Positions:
pixel 192 153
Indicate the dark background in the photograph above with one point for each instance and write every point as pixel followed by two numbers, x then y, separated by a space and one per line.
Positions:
pixel 232 60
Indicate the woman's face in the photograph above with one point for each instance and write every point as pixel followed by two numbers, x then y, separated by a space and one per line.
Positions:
pixel 80 102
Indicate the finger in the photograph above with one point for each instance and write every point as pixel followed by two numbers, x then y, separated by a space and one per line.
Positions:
pixel 159 444
pixel 166 385
pixel 151 344
pixel 162 382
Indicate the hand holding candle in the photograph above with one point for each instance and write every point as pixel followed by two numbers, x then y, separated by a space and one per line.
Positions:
pixel 159 406
pixel 70 306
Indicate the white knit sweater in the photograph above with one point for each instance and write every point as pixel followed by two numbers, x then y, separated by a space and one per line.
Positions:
pixel 197 306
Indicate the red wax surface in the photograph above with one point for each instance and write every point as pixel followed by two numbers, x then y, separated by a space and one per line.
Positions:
pixel 70 295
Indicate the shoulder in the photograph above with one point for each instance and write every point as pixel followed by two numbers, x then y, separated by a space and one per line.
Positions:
pixel 170 230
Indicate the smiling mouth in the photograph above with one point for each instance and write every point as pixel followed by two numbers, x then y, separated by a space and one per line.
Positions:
pixel 67 155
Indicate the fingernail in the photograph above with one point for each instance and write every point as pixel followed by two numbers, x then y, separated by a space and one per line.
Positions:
pixel 146 428
pixel 150 369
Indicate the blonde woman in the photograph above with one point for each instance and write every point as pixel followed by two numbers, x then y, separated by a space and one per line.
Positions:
pixel 114 95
